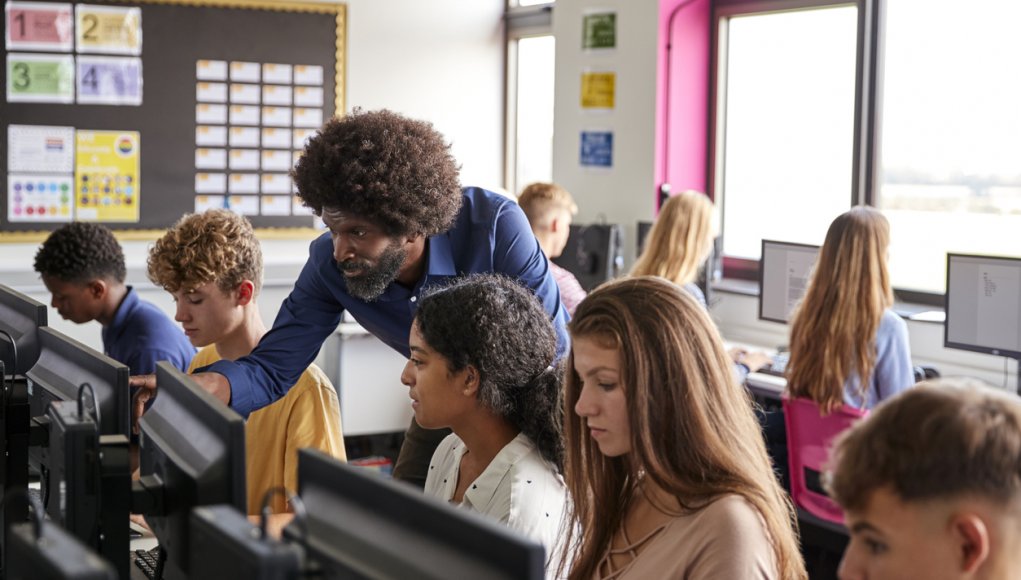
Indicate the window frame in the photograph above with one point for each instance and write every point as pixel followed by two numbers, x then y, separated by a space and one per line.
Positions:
pixel 863 174
pixel 519 22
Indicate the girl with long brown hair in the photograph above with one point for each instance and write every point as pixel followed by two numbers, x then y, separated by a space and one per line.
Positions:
pixel 847 345
pixel 665 464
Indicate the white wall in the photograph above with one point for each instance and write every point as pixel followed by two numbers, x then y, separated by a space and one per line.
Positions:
pixel 441 61
pixel 625 193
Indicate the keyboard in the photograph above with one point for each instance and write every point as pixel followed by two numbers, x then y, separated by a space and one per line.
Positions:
pixel 779 365
pixel 150 562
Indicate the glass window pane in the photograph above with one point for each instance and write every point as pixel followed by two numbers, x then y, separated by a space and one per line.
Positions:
pixel 787 123
pixel 950 167
pixel 534 123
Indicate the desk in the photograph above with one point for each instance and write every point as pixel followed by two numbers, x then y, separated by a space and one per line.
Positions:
pixel 765 388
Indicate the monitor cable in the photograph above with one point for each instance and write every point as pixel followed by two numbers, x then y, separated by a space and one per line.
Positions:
pixel 300 513
pixel 95 403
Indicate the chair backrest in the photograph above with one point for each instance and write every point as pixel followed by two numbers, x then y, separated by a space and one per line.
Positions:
pixel 809 437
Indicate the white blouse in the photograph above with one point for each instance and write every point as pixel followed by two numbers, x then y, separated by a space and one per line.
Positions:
pixel 518 488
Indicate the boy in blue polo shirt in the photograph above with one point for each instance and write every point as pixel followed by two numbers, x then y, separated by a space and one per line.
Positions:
pixel 82 266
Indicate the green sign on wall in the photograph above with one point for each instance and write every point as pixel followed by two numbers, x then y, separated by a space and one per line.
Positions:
pixel 599 30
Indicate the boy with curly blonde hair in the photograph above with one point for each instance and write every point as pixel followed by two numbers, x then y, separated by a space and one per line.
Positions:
pixel 212 264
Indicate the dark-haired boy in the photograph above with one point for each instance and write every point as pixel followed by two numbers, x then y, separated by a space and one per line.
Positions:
pixel 387 188
pixel 82 266
pixel 931 485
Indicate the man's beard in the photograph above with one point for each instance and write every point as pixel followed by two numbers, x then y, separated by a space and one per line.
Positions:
pixel 372 282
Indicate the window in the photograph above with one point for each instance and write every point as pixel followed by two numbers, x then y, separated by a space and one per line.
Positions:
pixel 530 75
pixel 949 174
pixel 784 124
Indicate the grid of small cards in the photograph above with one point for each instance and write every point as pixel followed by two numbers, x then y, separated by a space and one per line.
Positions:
pixel 42 38
pixel 251 123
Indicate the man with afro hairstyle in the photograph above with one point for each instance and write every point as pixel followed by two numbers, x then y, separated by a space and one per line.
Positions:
pixel 399 223
pixel 82 266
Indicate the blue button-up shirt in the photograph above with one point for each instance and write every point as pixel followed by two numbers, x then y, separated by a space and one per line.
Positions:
pixel 141 335
pixel 490 234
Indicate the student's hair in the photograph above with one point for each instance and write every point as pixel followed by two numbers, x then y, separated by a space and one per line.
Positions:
pixel 383 167
pixel 944 439
pixel 81 252
pixel 539 200
pixel 833 329
pixel 499 327
pixel 680 239
pixel 693 431
pixel 217 245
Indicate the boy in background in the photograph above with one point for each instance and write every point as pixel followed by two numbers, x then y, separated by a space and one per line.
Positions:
pixel 82 266
pixel 550 210
pixel 212 264
pixel 931 485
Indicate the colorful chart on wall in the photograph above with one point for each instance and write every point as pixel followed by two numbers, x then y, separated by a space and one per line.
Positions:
pixel 134 113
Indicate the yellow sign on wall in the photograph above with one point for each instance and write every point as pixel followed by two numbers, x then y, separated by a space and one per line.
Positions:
pixel 597 90
pixel 106 176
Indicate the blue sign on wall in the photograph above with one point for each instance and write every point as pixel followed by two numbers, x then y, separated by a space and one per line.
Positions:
pixel 597 149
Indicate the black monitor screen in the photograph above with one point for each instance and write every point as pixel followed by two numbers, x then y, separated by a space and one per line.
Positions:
pixel 20 318
pixel 983 304
pixel 192 447
pixel 783 277
pixel 362 526
pixel 593 254
pixel 64 365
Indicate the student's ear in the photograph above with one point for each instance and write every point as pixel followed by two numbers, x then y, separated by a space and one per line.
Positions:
pixel 972 538
pixel 97 288
pixel 556 224
pixel 471 381
pixel 246 292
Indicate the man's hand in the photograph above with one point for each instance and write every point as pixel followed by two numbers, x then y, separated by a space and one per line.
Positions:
pixel 146 385
pixel 754 360
pixel 213 383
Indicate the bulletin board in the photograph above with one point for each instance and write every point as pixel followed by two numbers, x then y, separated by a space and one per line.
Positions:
pixel 131 114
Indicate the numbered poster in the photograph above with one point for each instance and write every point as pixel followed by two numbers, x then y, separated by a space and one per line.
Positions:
pixel 108 29
pixel 40 78
pixel 39 26
pixel 106 176
pixel 109 80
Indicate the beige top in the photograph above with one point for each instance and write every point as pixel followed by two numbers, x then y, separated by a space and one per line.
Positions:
pixel 726 539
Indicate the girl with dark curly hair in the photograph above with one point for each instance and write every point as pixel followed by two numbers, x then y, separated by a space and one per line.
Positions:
pixel 482 351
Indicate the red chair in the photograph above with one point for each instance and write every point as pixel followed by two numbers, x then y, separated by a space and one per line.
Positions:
pixel 809 438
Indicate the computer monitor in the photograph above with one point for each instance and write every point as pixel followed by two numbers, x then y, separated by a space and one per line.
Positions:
pixel 64 365
pixel 711 270
pixel 983 305
pixel 224 544
pixel 192 453
pixel 784 272
pixel 593 254
pixel 362 526
pixel 643 233
pixel 20 319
